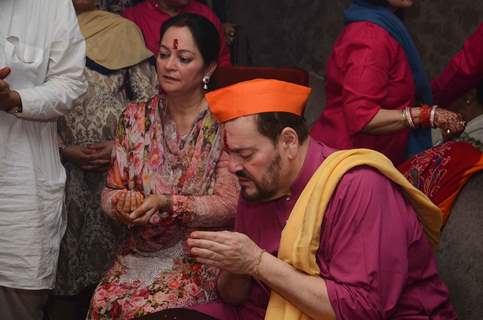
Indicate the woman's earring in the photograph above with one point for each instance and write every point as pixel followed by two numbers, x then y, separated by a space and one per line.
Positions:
pixel 468 101
pixel 206 79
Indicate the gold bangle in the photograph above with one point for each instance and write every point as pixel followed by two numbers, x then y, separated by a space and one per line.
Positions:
pixel 257 264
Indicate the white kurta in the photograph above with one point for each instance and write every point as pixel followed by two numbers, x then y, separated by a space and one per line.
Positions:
pixel 41 42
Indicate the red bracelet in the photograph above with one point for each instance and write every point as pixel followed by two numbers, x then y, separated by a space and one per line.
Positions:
pixel 425 116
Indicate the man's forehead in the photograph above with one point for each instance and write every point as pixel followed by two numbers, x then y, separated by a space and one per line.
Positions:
pixel 238 140
pixel 242 133
pixel 241 128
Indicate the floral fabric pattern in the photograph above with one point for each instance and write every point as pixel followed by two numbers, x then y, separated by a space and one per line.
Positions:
pixel 154 270
pixel 91 239
pixel 440 172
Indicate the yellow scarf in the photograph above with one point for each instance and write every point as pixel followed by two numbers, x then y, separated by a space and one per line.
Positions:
pixel 111 40
pixel 301 236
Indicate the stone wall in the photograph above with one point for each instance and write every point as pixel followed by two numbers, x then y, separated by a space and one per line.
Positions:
pixel 300 33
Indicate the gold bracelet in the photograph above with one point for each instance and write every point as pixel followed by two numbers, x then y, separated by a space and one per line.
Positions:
pixel 257 264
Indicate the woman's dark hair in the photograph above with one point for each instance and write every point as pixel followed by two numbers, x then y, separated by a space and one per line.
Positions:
pixel 203 31
pixel 271 124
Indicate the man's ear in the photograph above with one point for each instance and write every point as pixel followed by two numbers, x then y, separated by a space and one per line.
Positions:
pixel 288 142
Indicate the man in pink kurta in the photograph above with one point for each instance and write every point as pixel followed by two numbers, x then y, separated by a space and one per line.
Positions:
pixel 149 17
pixel 373 255
pixel 374 259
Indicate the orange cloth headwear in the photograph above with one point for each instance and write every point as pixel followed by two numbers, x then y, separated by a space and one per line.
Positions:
pixel 257 96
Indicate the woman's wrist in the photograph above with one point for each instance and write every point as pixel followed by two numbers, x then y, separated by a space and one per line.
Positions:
pixel 419 117
pixel 165 202
pixel 169 204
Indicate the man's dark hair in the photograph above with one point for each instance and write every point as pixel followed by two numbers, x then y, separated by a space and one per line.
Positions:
pixel 203 31
pixel 271 124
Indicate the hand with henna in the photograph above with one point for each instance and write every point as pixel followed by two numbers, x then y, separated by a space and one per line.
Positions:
pixel 450 123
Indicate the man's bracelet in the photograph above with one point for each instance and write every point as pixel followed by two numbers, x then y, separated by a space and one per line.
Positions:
pixel 257 264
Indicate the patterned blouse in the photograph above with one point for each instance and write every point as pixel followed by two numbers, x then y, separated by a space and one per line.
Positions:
pixel 154 270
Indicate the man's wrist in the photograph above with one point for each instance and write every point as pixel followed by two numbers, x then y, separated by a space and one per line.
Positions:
pixel 255 272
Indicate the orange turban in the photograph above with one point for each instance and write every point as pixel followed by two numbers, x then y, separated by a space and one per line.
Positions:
pixel 257 96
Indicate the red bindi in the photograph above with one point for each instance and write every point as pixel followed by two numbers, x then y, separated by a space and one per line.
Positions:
pixel 175 44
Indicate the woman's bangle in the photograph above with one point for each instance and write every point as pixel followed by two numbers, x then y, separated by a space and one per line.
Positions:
pixel 257 264
pixel 408 117
pixel 431 116
pixel 425 116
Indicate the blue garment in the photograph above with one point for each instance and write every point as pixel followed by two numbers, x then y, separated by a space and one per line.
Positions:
pixel 361 10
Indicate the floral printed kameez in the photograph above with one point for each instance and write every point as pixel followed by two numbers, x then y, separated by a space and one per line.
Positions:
pixel 154 271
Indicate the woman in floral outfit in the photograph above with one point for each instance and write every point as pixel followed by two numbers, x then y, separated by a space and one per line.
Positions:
pixel 169 177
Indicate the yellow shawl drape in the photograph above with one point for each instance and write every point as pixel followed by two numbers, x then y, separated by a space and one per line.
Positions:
pixel 301 236
pixel 111 40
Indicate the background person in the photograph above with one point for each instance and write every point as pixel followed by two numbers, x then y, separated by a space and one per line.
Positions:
pixel 150 15
pixel 464 71
pixel 374 80
pixel 42 59
pixel 117 71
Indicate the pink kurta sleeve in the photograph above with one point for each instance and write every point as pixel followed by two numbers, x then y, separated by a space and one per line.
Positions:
pixel 364 246
pixel 463 73
pixel 364 57
pixel 217 209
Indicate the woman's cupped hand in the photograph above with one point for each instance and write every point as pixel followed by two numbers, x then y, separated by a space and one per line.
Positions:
pixel 132 208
